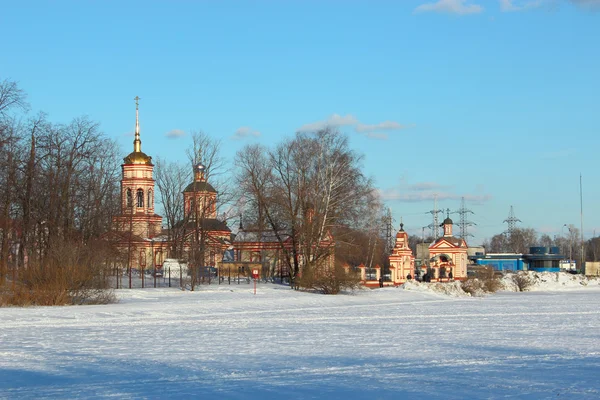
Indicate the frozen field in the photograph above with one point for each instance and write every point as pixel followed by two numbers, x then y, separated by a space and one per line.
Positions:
pixel 225 342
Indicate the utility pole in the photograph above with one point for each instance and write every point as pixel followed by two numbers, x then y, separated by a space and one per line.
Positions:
pixel 388 226
pixel 389 243
pixel 435 224
pixel 581 265
pixel 570 246
pixel 511 221
pixel 464 223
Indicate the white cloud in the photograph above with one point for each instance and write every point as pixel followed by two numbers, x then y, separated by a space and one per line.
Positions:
pixel 175 133
pixel 129 134
pixel 427 192
pixel 422 186
pixel 369 130
pixel 547 229
pixel 245 132
pixel 382 126
pixel 590 4
pixel 380 136
pixel 515 5
pixel 429 196
pixel 339 120
pixel 451 7
pixel 334 121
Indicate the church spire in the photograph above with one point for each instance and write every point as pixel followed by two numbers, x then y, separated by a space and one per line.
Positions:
pixel 137 157
pixel 137 143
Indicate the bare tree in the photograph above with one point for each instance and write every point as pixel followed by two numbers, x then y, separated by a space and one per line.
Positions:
pixel 307 188
pixel 206 151
pixel 593 249
pixel 252 182
pixel 9 161
pixel 99 200
pixel 519 241
pixel 29 169
pixel 546 241
pixel 12 101
pixel 60 185
pixel 11 97
pixel 171 180
pixel 522 239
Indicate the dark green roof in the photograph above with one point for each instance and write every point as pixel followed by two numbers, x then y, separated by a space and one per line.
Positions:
pixel 207 224
pixel 200 187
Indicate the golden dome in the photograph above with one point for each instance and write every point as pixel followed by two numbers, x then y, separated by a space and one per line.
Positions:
pixel 137 157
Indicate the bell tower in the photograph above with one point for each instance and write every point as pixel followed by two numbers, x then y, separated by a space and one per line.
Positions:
pixel 137 190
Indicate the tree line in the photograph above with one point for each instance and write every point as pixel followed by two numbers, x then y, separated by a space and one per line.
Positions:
pixel 60 191
pixel 568 242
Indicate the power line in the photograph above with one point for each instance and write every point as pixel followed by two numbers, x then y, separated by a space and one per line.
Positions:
pixel 464 223
pixel 511 221
pixel 388 222
pixel 435 225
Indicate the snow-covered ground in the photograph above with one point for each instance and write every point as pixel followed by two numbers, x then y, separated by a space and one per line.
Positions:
pixel 224 342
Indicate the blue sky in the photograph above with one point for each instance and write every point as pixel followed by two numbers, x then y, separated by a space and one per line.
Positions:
pixel 496 101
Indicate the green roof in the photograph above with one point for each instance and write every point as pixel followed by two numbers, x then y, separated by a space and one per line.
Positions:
pixel 200 187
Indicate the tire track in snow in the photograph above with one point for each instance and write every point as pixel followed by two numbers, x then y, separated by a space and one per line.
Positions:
pixel 293 314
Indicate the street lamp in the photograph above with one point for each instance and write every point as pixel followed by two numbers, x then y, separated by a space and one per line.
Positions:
pixel 153 263
pixel 570 244
pixel 570 249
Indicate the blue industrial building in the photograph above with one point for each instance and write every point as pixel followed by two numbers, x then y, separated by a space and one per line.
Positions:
pixel 539 259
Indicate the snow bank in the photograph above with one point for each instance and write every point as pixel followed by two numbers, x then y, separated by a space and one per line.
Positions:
pixel 453 289
pixel 549 281
pixel 534 281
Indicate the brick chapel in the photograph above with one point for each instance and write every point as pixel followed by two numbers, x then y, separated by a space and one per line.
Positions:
pixel 137 230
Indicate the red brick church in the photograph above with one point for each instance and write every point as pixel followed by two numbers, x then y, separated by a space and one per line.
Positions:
pixel 137 230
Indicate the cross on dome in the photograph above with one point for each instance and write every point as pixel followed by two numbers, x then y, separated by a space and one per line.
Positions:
pixel 199 171
pixel 137 157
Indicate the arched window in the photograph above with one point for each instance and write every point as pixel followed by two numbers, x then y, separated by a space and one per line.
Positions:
pixel 129 200
pixel 192 208
pixel 140 198
pixel 149 199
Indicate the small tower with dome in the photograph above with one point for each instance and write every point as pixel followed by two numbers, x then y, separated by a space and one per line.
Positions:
pixel 200 197
pixel 206 235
